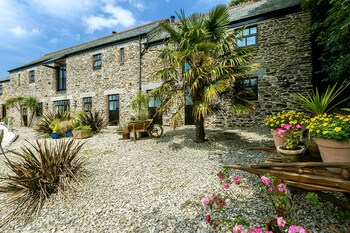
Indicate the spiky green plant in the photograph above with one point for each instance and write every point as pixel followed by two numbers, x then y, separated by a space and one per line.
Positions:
pixel 44 126
pixel 33 104
pixel 94 120
pixel 316 103
pixel 38 171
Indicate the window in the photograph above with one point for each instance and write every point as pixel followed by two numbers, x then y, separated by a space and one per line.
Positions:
pixel 61 106
pixel 19 80
pixel 0 89
pixel 248 37
pixel 87 104
pixel 32 76
pixel 97 61
pixel 39 110
pixel 122 55
pixel 61 78
pixel 251 87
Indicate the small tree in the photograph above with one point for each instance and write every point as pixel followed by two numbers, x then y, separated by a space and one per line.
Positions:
pixel 140 104
pixel 204 45
pixel 33 104
pixel 17 103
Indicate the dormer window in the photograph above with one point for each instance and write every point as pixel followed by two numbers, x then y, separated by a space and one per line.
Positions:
pixel 248 37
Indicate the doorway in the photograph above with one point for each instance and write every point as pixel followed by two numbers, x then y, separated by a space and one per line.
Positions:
pixel 113 109
pixel 25 116
pixel 153 103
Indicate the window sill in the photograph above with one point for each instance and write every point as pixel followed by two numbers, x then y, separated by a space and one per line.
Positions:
pixel 61 92
pixel 97 68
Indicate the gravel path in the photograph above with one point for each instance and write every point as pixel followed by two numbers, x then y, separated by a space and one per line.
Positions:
pixel 155 185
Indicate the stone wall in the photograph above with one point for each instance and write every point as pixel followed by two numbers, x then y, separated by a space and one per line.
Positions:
pixel 283 51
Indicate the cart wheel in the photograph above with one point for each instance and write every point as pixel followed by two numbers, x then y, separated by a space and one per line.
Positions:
pixel 156 131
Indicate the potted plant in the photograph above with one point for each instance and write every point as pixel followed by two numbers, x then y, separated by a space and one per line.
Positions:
pixel 67 127
pixel 292 148
pixel 276 121
pixel 56 130
pixel 82 131
pixel 331 133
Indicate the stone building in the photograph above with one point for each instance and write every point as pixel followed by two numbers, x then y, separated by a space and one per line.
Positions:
pixel 106 74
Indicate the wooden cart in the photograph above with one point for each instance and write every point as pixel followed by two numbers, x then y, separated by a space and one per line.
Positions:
pixel 143 126
pixel 312 176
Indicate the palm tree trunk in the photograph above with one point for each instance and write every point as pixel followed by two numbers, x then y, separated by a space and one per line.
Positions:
pixel 200 133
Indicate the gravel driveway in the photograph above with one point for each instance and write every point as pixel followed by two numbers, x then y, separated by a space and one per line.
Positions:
pixel 153 185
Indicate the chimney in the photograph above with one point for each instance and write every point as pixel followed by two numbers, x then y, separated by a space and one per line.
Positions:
pixel 172 19
pixel 114 32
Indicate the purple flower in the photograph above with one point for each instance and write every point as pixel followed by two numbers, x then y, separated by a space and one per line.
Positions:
pixel 282 187
pixel 220 202
pixel 298 126
pixel 226 185
pixel 236 179
pixel 238 229
pixel 281 222
pixel 207 218
pixel 287 126
pixel 266 181
pixel 296 229
pixel 270 189
pixel 280 131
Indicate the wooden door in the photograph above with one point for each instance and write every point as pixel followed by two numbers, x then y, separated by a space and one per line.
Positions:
pixel 113 109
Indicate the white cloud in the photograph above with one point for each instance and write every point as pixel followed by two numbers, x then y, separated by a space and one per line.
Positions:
pixel 77 36
pixel 19 31
pixel 117 16
pixel 65 9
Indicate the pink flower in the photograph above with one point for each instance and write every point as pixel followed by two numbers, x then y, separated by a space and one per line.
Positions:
pixel 221 175
pixel 270 189
pixel 236 179
pixel 296 229
pixel 282 187
pixel 280 131
pixel 238 229
pixel 207 218
pixel 298 126
pixel 281 222
pixel 287 126
pixel 208 200
pixel 226 185
pixel 256 230
pixel 269 231
pixel 220 202
pixel 266 181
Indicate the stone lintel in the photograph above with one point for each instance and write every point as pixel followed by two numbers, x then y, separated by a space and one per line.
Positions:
pixel 113 92
pixel 69 97
pixel 150 86
pixel 87 94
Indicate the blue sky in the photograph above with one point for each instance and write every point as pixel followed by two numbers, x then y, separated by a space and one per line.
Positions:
pixel 31 28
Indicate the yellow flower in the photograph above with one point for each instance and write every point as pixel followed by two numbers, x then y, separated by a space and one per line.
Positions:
pixel 337 129
pixel 318 131
pixel 325 132
pixel 272 125
pixel 325 124
pixel 333 125
pixel 277 122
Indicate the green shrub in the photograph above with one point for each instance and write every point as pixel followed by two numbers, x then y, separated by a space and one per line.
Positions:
pixel 83 127
pixel 40 170
pixel 94 120
pixel 45 124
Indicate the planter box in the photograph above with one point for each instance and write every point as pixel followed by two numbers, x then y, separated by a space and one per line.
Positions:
pixel 82 133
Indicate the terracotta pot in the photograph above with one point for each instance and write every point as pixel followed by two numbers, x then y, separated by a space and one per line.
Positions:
pixel 333 151
pixel 279 140
pixel 290 156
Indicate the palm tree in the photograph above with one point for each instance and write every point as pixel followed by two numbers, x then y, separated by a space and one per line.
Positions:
pixel 15 102
pixel 203 43
pixel 33 104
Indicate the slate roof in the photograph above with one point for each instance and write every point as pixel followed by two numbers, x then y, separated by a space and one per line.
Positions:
pixel 113 38
pixel 5 79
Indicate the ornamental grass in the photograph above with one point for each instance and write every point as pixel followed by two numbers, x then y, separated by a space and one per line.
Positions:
pixel 38 171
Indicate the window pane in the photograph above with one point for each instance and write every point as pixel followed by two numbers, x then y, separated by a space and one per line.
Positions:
pixel 151 103
pixel 240 43
pixel 253 30
pixel 251 40
pixel 246 32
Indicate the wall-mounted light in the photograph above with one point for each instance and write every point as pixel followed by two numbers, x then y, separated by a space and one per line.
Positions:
pixel 285 82
pixel 75 104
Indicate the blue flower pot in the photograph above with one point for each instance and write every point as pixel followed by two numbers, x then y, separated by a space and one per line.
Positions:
pixel 69 134
pixel 55 136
